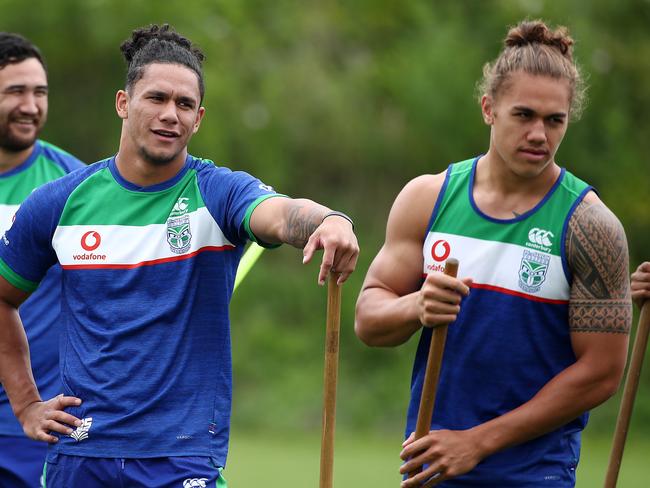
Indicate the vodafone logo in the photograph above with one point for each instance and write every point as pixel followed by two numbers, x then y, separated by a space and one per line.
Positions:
pixel 440 250
pixel 91 240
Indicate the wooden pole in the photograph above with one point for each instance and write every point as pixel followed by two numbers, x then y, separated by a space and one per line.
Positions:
pixel 330 380
pixel 432 373
pixel 629 394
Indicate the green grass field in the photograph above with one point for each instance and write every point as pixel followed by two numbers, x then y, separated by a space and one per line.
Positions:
pixel 286 461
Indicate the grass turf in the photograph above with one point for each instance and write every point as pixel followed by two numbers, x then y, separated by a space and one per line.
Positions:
pixel 290 461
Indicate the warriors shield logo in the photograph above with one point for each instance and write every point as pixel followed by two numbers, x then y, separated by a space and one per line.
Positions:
pixel 179 235
pixel 532 271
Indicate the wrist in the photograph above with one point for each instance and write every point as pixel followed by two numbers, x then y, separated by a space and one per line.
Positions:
pixel 335 213
pixel 20 411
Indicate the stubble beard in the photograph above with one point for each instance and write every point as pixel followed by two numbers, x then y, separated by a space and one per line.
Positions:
pixel 155 159
pixel 11 143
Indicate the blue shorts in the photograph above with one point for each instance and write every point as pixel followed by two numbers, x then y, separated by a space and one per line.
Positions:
pixel 21 461
pixel 63 471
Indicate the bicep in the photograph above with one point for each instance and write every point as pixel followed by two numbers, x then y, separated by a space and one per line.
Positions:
pixel 398 267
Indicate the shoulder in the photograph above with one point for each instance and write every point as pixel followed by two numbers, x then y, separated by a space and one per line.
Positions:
pixel 414 204
pixel 596 248
pixel 61 158
pixel 58 191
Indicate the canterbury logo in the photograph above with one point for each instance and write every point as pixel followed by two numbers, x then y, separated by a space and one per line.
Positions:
pixel 540 236
pixel 81 432
pixel 195 482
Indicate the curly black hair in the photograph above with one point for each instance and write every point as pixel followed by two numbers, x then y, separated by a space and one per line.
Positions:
pixel 160 44
pixel 14 48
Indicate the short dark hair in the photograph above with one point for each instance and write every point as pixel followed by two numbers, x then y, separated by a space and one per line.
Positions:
pixel 14 48
pixel 160 44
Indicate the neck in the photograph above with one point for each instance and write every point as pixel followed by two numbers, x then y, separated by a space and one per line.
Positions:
pixel 141 172
pixel 502 194
pixel 10 159
pixel 135 168
pixel 494 174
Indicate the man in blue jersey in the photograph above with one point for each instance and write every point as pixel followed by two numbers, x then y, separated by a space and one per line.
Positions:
pixel 542 336
pixel 26 163
pixel 149 241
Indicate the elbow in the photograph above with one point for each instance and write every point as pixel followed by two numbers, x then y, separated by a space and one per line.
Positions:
pixel 608 386
pixel 367 330
pixel 364 331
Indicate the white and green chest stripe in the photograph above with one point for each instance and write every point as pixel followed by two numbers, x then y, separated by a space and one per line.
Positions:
pixel 521 258
pixel 103 225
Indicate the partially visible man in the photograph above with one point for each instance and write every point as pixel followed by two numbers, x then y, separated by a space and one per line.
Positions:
pixel 149 241
pixel 641 283
pixel 26 163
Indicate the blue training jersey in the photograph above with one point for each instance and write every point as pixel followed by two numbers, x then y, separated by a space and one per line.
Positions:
pixel 40 311
pixel 148 275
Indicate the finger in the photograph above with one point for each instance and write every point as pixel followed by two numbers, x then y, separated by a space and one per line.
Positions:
pixel 63 418
pixel 437 320
pixel 440 295
pixel 345 266
pixel 326 264
pixel 61 402
pixel 428 477
pixel 640 278
pixel 433 306
pixel 441 280
pixel 310 248
pixel 409 439
pixel 54 426
pixel 645 266
pixel 45 437
pixel 437 478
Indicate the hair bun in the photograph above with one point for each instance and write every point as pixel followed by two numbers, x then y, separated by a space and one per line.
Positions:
pixel 536 32
pixel 141 37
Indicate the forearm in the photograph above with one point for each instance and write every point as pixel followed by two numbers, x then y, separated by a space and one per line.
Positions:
pixel 385 319
pixel 575 390
pixel 301 218
pixel 15 368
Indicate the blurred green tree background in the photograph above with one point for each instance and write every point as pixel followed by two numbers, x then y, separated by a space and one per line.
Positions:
pixel 344 102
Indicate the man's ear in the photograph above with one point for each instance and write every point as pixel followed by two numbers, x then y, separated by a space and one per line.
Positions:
pixel 122 104
pixel 199 118
pixel 487 107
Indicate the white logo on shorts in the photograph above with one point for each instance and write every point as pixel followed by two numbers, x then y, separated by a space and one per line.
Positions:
pixel 195 482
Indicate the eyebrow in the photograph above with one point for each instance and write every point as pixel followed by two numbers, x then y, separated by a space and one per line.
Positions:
pixel 523 108
pixel 164 94
pixel 23 85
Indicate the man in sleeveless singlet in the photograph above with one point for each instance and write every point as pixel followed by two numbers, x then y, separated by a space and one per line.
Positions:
pixel 25 164
pixel 540 313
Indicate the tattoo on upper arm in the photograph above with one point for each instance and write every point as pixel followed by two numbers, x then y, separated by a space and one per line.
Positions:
pixel 597 254
pixel 301 223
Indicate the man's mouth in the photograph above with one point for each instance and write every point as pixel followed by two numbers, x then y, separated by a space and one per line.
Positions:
pixel 25 121
pixel 167 134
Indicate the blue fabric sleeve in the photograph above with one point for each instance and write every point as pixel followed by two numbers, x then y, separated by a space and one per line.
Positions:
pixel 26 248
pixel 228 195
pixel 64 159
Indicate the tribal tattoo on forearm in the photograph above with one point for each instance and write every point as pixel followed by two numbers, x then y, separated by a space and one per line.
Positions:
pixel 597 254
pixel 301 223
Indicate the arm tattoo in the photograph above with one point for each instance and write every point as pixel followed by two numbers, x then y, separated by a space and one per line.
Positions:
pixel 597 254
pixel 301 223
